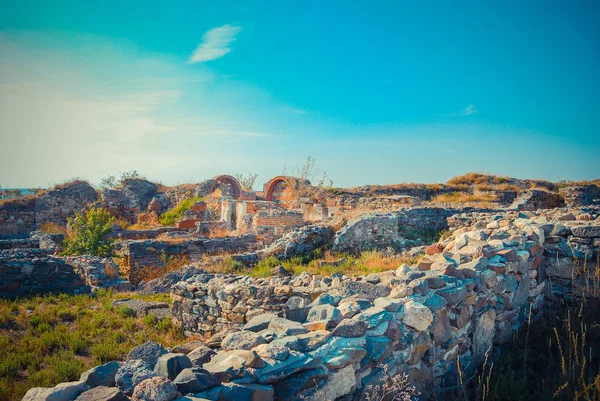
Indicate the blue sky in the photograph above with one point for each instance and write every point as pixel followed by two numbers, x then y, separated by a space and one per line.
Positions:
pixel 379 92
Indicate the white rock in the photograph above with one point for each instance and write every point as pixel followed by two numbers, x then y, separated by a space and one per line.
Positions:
pixel 417 316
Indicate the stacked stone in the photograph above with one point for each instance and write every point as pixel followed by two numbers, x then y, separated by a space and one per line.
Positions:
pixel 471 292
pixel 297 242
pixel 383 230
pixel 32 271
pixel 210 303
pixel 308 337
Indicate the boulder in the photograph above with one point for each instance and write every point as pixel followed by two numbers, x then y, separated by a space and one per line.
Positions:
pixel 325 312
pixel 287 327
pixel 417 316
pixel 272 351
pixel 102 393
pixel 349 309
pixel 373 316
pixel 289 387
pixel 453 295
pixel 148 352
pixel 239 392
pixel 227 366
pixel 131 373
pixel 260 322
pixel 389 304
pixel 201 355
pixel 587 231
pixel 275 370
pixel 366 290
pixel 155 389
pixel 311 340
pixel 103 375
pixel 194 380
pixel 187 347
pixel 170 365
pixel 342 357
pixel 242 340
pixel 337 384
pixel 351 328
pixel 61 392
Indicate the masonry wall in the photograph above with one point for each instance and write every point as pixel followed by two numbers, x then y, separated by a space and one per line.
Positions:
pixel 25 272
pixel 19 217
pixel 481 286
pixel 388 229
pixel 140 258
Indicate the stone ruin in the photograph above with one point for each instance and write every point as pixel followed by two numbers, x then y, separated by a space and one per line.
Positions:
pixel 302 336
pixel 309 337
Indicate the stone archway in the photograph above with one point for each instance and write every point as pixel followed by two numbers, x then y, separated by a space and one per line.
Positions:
pixel 275 188
pixel 235 185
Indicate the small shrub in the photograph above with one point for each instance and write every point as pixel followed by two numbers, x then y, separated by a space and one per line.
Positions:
pixel 170 217
pixel 87 233
pixel 247 181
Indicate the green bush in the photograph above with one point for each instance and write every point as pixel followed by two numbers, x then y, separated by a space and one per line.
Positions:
pixel 171 216
pixel 87 235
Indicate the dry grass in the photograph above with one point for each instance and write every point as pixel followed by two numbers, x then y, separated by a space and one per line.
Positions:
pixel 463 197
pixel 53 228
pixel 478 179
pixel 169 264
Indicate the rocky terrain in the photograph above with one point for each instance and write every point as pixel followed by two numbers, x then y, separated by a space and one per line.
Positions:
pixel 480 271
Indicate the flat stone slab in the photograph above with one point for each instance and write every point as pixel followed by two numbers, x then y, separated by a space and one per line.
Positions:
pixel 142 308
pixel 587 231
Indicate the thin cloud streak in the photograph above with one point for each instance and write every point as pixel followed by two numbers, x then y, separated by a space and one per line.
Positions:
pixel 215 43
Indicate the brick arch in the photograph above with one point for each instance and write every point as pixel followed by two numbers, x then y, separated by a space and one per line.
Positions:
pixel 237 188
pixel 272 184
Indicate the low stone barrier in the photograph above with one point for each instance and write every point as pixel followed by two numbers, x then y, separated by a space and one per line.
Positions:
pixel 142 255
pixel 25 272
pixel 331 338
pixel 478 287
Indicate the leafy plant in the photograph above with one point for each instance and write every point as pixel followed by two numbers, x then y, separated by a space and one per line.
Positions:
pixel 87 233
pixel 175 214
pixel 127 175
pixel 109 182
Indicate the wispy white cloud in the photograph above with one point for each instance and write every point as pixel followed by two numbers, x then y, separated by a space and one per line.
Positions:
pixel 467 111
pixel 215 43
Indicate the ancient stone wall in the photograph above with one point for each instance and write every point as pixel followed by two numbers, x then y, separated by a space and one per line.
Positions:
pixel 581 195
pixel 25 272
pixel 479 286
pixel 26 243
pixel 389 229
pixel 19 217
pixel 143 255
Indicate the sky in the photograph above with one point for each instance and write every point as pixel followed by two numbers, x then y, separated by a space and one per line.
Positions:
pixel 376 92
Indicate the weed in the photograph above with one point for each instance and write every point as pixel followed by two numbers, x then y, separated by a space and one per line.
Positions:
pixel 170 217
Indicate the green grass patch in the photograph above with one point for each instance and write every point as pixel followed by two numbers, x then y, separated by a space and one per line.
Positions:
pixel 46 340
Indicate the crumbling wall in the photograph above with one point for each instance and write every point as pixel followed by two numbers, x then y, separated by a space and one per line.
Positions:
pixel 19 217
pixel 581 195
pixel 481 286
pixel 143 255
pixel 25 272
pixel 388 229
